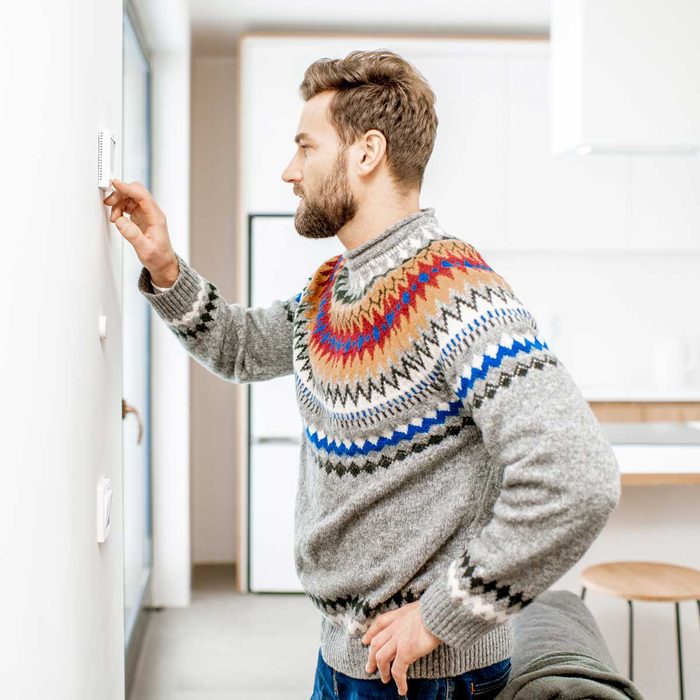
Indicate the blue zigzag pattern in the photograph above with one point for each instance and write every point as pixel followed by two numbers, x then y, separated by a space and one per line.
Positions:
pixel 467 382
pixel 382 442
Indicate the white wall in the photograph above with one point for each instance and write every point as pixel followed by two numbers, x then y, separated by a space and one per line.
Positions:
pixel 213 255
pixel 609 316
pixel 60 420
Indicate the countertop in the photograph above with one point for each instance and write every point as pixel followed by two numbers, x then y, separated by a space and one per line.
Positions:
pixel 652 454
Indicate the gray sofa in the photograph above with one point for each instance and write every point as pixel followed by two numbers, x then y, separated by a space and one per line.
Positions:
pixel 560 653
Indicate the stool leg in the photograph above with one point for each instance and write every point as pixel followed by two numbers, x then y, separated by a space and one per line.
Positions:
pixel 680 652
pixel 583 595
pixel 631 640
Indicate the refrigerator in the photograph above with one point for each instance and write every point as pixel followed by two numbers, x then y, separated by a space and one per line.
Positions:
pixel 280 262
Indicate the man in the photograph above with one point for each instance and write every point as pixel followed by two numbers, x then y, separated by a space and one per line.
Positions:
pixel 451 470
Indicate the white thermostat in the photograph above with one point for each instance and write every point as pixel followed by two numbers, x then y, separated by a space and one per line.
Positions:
pixel 106 149
pixel 104 508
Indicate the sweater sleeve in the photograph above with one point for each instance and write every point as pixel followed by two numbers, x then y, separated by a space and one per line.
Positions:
pixel 558 475
pixel 238 344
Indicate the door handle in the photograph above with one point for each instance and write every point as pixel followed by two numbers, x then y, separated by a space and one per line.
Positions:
pixel 130 409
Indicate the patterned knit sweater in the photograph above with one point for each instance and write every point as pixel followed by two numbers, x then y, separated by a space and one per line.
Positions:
pixel 448 456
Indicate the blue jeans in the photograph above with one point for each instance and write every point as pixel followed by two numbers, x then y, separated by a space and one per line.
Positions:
pixel 480 684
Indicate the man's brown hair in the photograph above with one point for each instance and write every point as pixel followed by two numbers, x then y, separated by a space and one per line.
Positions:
pixel 379 90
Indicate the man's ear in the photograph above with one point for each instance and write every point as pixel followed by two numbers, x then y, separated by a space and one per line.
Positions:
pixel 373 148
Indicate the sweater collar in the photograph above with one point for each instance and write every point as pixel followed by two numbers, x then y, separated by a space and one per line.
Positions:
pixel 368 254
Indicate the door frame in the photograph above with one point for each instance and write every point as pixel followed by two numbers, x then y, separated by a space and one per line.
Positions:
pixel 135 628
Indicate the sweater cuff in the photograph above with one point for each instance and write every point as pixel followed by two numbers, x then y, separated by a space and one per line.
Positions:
pixel 449 619
pixel 174 302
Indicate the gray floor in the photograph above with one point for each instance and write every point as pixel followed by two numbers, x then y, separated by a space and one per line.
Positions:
pixel 229 645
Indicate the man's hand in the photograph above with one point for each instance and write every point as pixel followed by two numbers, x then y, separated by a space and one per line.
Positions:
pixel 400 635
pixel 146 229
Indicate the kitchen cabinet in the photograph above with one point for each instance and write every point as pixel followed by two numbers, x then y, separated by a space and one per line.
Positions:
pixel 273 484
pixel 625 76
pixel 491 177
pixel 469 146
pixel 555 203
pixel 465 177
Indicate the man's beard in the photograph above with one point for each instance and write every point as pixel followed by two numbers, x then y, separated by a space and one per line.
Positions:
pixel 332 208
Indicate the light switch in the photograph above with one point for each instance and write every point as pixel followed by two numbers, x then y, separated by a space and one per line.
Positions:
pixel 104 508
pixel 102 326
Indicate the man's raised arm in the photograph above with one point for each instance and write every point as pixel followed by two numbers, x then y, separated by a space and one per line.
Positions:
pixel 237 343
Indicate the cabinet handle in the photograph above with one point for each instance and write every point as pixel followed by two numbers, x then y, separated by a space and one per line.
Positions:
pixel 275 439
pixel 130 409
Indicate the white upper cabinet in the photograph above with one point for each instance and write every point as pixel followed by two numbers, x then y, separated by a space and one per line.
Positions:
pixel 465 177
pixel 625 76
pixel 555 203
pixel 491 177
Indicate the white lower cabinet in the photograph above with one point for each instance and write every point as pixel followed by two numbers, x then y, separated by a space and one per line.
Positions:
pixel 274 470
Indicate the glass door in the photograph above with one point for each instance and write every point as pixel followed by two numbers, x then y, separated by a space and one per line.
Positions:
pixel 136 370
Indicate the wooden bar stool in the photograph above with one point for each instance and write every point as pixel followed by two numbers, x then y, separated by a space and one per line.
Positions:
pixel 647 581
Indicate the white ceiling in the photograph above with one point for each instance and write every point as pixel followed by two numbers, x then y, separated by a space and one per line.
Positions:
pixel 216 23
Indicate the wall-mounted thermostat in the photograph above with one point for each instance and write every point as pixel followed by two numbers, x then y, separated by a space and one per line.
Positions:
pixel 104 508
pixel 106 149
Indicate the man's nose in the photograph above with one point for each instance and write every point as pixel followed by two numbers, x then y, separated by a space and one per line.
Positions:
pixel 290 174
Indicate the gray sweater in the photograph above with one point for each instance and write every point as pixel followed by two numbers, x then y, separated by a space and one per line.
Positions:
pixel 447 454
